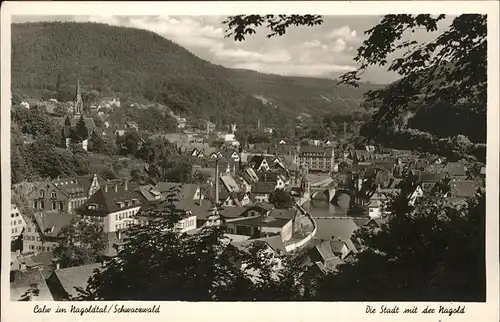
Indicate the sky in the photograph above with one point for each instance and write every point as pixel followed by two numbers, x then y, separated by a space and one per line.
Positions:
pixel 325 51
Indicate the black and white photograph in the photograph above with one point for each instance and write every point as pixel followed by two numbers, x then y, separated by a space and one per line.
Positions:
pixel 251 158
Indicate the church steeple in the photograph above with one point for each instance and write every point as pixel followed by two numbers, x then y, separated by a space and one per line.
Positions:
pixel 78 98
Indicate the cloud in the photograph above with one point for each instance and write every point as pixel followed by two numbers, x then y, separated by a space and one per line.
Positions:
pixel 339 45
pixel 187 31
pixel 345 33
pixel 294 69
pixel 240 55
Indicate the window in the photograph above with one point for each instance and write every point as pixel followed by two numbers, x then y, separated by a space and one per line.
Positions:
pixel 35 204
pixel 53 195
pixel 54 205
pixel 12 215
pixel 32 247
pixel 61 206
pixel 42 194
pixel 116 217
pixel 13 231
pixel 42 204
pixel 29 229
pixel 19 222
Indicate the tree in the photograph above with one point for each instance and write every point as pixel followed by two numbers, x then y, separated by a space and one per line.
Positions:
pixel 431 73
pixel 80 243
pixel 81 131
pixel 189 267
pixel 97 144
pixel 281 199
pixel 433 252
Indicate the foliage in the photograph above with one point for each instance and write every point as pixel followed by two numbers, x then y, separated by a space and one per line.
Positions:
pixel 80 243
pixel 147 67
pixel 434 251
pixel 281 199
pixel 81 132
pixel 444 79
pixel 32 292
pixel 37 123
pixel 432 88
pixel 241 25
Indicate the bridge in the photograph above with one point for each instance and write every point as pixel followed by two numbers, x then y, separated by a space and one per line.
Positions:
pixel 320 193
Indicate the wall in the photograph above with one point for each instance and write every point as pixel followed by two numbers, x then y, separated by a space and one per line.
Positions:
pixel 17 223
pixel 286 231
pixel 32 241
pixel 120 219
pixel 305 240
pixel 187 224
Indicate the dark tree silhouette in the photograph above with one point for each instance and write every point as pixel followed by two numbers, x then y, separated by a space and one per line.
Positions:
pixel 281 199
pixel 80 243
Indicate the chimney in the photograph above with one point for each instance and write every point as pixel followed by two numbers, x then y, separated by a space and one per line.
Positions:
pixel 106 188
pixel 116 187
pixel 125 185
pixel 200 198
pixel 56 263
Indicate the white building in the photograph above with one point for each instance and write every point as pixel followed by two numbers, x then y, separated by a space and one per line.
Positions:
pixel 17 223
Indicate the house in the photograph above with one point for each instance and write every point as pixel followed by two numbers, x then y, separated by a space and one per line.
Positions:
pixel 260 163
pixel 317 158
pixel 456 169
pixel 418 192
pixel 274 177
pixel 59 195
pixel 64 283
pixel 461 190
pixel 262 190
pixel 74 191
pixel 41 232
pixel 28 284
pixel 43 261
pixel 17 222
pixel 114 205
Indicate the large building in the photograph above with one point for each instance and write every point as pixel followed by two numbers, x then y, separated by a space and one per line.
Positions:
pixel 317 158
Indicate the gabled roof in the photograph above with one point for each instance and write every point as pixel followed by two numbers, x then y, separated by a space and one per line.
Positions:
pixel 76 277
pixel 108 201
pixel 187 190
pixel 229 183
pixel 69 186
pixel 21 282
pixel 456 168
pixel 52 222
pixel 463 189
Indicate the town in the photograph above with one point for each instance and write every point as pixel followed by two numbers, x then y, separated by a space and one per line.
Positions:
pixel 141 172
pixel 312 195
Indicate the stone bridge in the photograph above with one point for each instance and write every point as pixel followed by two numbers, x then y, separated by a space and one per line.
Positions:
pixel 327 194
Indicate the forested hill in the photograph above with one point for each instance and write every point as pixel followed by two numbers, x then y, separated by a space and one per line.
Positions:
pixel 143 65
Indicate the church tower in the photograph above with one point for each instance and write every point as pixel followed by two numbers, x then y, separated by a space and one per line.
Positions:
pixel 78 99
pixel 305 187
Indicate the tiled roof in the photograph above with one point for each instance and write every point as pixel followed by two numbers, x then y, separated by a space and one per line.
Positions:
pixel 463 188
pixel 326 151
pixel 52 222
pixel 21 282
pixel 456 168
pixel 185 190
pixel 107 201
pixel 263 187
pixel 75 277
